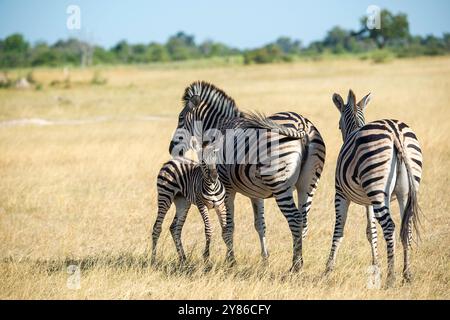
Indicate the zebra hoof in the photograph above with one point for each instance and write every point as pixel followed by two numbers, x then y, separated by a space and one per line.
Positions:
pixel 230 262
pixel 265 261
pixel 206 257
pixel 296 267
pixel 208 266
pixel 265 255
pixel 327 271
pixel 153 261
pixel 407 277
pixel 390 281
pixel 182 261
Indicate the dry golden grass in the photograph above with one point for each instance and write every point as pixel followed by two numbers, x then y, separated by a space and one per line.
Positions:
pixel 85 194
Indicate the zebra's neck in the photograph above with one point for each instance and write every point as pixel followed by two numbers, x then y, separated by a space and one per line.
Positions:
pixel 349 131
pixel 352 123
pixel 205 184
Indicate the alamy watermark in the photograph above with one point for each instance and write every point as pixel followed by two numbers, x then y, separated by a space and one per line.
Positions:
pixel 373 17
pixel 238 146
pixel 74 279
pixel 373 277
pixel 73 21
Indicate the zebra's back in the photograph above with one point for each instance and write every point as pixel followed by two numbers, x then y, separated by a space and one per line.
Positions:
pixel 281 167
pixel 313 141
pixel 175 177
pixel 367 157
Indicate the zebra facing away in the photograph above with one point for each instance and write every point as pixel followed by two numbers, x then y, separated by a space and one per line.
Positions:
pixel 378 162
pixel 296 158
pixel 184 182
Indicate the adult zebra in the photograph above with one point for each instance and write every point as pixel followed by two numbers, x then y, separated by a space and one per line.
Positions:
pixel 295 160
pixel 378 161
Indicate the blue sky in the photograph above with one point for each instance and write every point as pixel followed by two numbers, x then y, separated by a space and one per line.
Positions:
pixel 243 24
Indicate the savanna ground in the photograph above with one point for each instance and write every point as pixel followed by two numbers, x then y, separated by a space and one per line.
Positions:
pixel 83 192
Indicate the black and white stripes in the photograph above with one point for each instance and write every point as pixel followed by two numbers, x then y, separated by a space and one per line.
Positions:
pixel 378 162
pixel 186 182
pixel 294 158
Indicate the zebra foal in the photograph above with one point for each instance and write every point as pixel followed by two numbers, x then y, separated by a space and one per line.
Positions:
pixel 185 182
pixel 378 162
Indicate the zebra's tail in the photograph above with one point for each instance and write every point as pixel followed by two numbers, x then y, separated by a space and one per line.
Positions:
pixel 260 121
pixel 412 209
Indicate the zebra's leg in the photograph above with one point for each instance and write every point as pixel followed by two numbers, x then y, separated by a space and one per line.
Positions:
pixel 382 214
pixel 371 233
pixel 260 225
pixel 182 208
pixel 311 171
pixel 208 229
pixel 164 203
pixel 341 206
pixel 307 185
pixel 221 212
pixel 304 203
pixel 286 203
pixel 228 229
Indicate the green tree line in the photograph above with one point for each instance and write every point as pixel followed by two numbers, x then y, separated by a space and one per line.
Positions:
pixel 393 37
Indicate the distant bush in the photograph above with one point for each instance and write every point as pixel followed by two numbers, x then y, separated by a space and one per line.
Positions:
pixel 5 81
pixel 30 77
pixel 268 54
pixel 20 81
pixel 66 83
pixel 97 79
pixel 364 57
pixel 381 56
pixel 409 52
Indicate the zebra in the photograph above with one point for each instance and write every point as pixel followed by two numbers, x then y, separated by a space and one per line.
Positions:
pixel 299 153
pixel 184 182
pixel 378 162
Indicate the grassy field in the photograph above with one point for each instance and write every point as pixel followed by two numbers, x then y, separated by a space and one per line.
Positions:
pixel 80 188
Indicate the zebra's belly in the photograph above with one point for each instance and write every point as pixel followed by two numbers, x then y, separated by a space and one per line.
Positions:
pixel 364 200
pixel 244 179
pixel 381 182
pixel 261 181
pixel 354 192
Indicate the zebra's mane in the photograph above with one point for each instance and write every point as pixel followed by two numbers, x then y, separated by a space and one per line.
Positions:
pixel 210 94
pixel 216 99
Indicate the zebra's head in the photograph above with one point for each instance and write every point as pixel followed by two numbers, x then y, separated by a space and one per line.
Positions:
pixel 352 113
pixel 181 139
pixel 208 155
pixel 205 108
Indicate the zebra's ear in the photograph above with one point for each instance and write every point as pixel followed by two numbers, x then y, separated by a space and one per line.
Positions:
pixel 365 101
pixel 338 102
pixel 351 99
pixel 193 102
